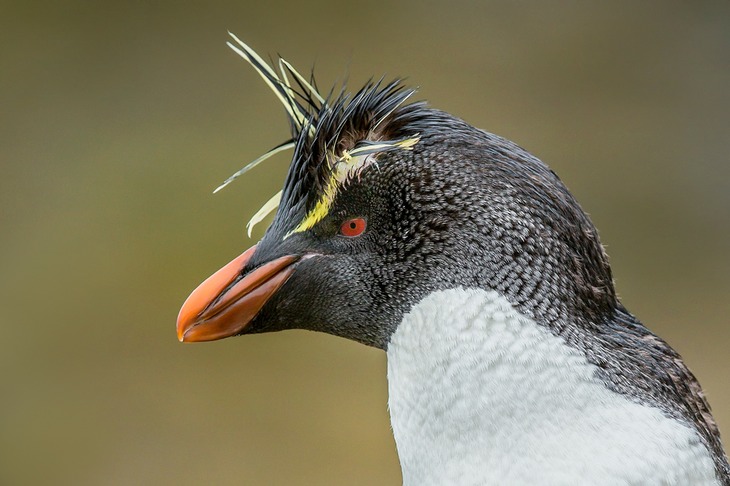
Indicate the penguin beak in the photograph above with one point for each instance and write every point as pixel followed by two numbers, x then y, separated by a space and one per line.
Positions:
pixel 226 303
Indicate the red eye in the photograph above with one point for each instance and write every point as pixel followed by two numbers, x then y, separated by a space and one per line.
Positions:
pixel 353 227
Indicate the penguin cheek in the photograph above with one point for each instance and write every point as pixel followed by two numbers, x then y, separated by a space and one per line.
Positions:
pixel 328 296
pixel 309 298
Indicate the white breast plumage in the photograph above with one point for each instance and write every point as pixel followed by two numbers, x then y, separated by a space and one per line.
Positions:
pixel 480 394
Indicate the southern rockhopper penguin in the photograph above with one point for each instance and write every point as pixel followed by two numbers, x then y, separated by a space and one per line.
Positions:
pixel 466 259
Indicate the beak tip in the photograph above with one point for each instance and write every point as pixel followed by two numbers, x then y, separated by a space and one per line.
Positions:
pixel 181 329
pixel 185 321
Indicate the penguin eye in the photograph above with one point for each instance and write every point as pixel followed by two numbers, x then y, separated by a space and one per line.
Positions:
pixel 353 227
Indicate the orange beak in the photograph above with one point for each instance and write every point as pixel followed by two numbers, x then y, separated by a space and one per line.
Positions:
pixel 226 302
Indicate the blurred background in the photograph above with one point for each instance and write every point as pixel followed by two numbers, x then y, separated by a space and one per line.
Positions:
pixel 120 118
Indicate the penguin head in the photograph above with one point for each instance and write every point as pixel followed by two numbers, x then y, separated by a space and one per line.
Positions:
pixel 387 202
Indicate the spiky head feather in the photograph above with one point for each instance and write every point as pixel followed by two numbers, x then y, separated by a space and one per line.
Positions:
pixel 334 137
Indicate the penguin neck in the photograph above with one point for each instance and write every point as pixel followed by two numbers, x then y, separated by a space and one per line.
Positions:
pixel 479 393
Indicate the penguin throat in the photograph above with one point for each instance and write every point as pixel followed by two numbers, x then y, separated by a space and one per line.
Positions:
pixel 480 394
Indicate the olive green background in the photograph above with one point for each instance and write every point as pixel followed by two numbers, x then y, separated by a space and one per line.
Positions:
pixel 117 120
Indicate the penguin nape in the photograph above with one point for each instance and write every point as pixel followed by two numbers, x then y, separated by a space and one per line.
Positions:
pixel 466 259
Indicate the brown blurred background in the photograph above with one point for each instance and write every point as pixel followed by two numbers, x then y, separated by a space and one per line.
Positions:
pixel 119 119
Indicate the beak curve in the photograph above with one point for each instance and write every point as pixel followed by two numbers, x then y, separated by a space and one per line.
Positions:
pixel 225 303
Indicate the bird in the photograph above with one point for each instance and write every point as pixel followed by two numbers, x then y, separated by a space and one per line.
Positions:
pixel 510 358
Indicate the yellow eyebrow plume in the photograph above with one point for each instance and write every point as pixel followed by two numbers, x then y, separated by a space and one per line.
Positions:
pixel 344 169
pixel 270 205
pixel 286 94
pixel 282 90
pixel 321 127
pixel 273 151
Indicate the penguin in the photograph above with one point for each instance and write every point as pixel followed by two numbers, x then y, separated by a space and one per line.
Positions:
pixel 466 260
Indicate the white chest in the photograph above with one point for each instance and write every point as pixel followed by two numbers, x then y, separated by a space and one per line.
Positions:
pixel 480 394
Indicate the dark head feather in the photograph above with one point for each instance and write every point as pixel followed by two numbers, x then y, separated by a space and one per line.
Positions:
pixel 333 137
